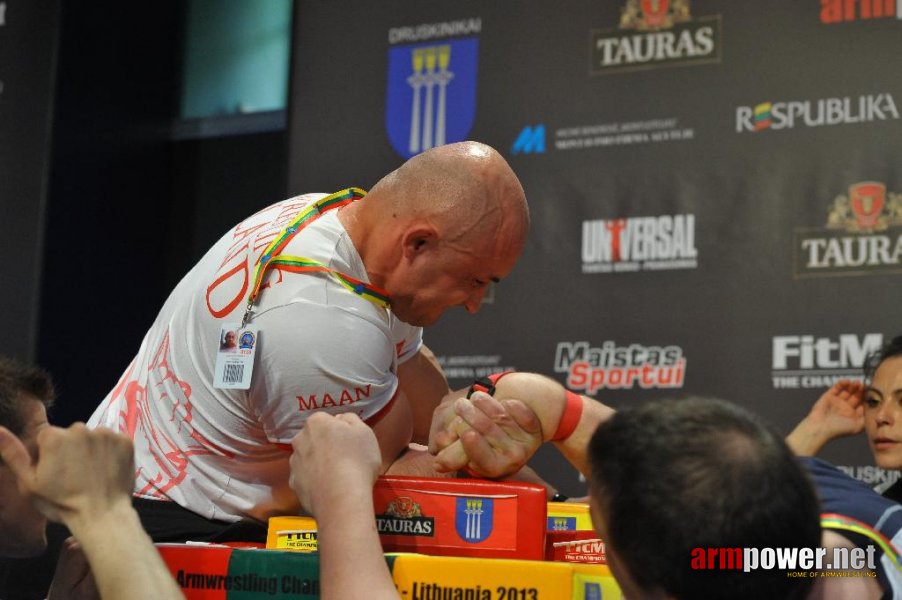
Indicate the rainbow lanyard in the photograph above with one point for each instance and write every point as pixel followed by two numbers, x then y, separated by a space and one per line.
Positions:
pixel 835 521
pixel 271 257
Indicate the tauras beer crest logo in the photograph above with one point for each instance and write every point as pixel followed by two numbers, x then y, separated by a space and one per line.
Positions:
pixel 655 33
pixel 403 516
pixel 807 361
pixel 474 518
pixel 591 368
pixel 863 235
pixel 665 242
pixel 823 112
pixel 431 91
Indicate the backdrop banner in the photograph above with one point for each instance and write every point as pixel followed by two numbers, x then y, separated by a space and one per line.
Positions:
pixel 28 30
pixel 715 187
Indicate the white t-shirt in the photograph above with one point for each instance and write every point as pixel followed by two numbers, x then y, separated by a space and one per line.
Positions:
pixel 223 453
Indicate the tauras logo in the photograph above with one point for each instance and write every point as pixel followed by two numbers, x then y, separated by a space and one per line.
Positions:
pixel 847 110
pixel 806 361
pixel 590 368
pixel 412 526
pixel 404 516
pixel 639 243
pixel 863 235
pixel 664 35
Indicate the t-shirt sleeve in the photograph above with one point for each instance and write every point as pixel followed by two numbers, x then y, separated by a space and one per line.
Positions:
pixel 315 358
pixel 408 341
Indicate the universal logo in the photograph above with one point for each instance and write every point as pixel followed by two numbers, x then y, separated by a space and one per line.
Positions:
pixel 655 33
pixel 863 235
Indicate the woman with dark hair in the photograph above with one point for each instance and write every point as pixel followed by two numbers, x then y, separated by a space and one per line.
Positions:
pixel 849 407
pixel 883 409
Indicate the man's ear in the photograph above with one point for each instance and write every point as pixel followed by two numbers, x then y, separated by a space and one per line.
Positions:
pixel 418 239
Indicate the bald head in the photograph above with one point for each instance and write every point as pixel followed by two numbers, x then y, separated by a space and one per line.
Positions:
pixel 454 215
pixel 467 187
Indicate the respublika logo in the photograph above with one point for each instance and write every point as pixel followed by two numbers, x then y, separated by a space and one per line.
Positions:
pixel 431 91
pixel 848 110
pixel 590 368
pixel 473 519
pixel 664 242
pixel 530 140
pixel 863 235
pixel 806 361
pixel 839 11
pixel 664 36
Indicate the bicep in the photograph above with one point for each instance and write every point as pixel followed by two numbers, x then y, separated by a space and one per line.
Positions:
pixel 322 360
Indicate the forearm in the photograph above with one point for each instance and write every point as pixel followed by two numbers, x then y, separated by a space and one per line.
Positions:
pixel 423 382
pixel 548 400
pixel 123 559
pixel 352 563
pixel 807 439
pixel 574 447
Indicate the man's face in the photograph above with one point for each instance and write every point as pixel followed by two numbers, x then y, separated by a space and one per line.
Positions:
pixel 22 528
pixel 448 275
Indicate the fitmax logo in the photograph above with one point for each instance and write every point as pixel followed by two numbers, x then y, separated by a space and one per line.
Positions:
pixel 530 141
pixel 804 361
pixel 807 352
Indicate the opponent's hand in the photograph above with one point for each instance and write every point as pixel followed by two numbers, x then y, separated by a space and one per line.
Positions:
pixel 333 456
pixel 490 437
pixel 80 473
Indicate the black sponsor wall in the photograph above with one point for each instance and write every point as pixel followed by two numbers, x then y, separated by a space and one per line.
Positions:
pixel 27 52
pixel 715 188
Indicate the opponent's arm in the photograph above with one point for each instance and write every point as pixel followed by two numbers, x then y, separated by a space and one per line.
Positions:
pixel 423 383
pixel 495 436
pixel 333 468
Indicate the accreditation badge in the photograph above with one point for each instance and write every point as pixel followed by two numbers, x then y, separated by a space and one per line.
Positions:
pixel 235 356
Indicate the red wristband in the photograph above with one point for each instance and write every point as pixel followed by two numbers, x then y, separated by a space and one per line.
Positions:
pixel 573 410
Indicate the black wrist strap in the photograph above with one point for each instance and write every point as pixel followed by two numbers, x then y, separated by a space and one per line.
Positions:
pixel 482 384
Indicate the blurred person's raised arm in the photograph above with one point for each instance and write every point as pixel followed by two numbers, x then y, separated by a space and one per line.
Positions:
pixel 84 479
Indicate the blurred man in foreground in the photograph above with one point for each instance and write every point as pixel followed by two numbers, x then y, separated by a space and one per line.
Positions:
pixel 77 477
